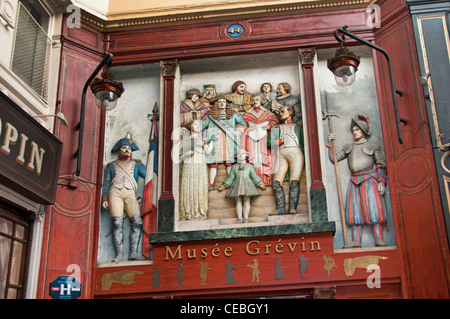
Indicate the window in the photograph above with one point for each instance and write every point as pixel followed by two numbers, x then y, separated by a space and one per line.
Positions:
pixel 32 48
pixel 14 235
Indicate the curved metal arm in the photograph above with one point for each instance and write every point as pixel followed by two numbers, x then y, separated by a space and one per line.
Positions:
pixel 107 60
pixel 394 90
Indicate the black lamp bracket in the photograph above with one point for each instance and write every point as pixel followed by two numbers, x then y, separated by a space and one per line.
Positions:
pixel 339 35
pixel 106 62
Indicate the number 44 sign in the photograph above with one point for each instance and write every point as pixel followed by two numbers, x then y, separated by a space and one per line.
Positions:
pixel 65 287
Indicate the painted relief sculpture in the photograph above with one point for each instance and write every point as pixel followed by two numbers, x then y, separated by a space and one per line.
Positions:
pixel 242 182
pixel 284 98
pixel 225 124
pixel 194 174
pixel 119 195
pixel 238 128
pixel 193 108
pixel 365 196
pixel 287 139
pixel 240 99
pixel 259 121
pixel 267 95
pixel 209 91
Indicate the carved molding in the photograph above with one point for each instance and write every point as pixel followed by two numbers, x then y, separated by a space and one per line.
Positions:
pixel 324 293
pixel 168 68
pixel 7 13
pixel 306 55
pixel 175 16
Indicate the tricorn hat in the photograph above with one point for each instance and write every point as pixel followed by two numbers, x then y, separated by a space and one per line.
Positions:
pixel 363 122
pixel 125 141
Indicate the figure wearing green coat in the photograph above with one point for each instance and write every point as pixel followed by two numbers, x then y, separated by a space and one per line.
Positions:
pixel 242 181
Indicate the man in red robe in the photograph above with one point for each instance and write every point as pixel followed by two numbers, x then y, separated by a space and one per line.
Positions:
pixel 259 121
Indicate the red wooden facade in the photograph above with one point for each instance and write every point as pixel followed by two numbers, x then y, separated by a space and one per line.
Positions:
pixel 417 268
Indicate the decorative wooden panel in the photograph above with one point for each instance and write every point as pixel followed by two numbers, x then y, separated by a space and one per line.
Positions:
pixel 209 39
pixel 176 270
pixel 413 180
pixel 71 223
pixel 420 262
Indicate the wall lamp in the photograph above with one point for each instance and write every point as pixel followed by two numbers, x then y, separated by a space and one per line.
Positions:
pixel 106 93
pixel 345 64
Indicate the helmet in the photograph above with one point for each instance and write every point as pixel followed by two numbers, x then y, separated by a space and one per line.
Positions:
pixel 362 121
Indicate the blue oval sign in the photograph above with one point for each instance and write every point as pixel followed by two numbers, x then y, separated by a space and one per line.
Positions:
pixel 235 30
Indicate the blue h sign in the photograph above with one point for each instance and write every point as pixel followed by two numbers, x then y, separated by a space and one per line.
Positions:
pixel 65 287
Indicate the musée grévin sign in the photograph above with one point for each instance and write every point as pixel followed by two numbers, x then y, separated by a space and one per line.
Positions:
pixel 29 154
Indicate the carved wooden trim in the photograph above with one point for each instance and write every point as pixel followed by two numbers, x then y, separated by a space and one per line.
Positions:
pixel 324 293
pixel 306 57
pixel 168 69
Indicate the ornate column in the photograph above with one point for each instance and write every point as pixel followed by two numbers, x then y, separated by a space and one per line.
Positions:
pixel 166 204
pixel 317 190
pixel 307 60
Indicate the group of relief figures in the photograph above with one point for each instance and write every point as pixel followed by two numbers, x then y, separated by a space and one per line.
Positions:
pixel 259 138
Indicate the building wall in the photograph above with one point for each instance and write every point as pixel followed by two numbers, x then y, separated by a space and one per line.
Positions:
pixel 27 99
pixel 431 33
pixel 420 237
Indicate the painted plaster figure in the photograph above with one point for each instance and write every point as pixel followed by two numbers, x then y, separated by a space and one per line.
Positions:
pixel 194 174
pixel 119 194
pixel 224 127
pixel 284 98
pixel 365 202
pixel 209 91
pixel 286 141
pixel 240 99
pixel 267 95
pixel 193 108
pixel 242 182
pixel 259 121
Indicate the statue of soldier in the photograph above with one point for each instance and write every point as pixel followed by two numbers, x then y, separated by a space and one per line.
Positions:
pixel 365 203
pixel 286 141
pixel 119 194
